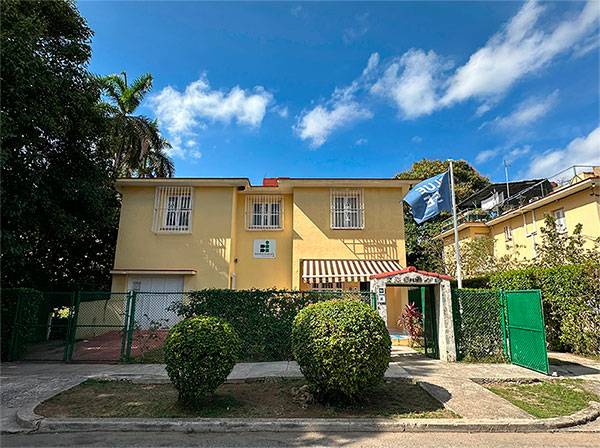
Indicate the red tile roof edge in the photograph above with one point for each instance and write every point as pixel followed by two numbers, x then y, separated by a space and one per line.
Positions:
pixel 411 269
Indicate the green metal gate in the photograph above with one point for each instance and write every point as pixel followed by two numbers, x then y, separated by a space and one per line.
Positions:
pixel 430 336
pixel 526 331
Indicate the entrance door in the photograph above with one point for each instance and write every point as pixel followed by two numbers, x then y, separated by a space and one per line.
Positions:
pixel 527 334
pixel 429 322
pixel 154 295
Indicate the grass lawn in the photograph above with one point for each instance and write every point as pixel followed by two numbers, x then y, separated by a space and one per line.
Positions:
pixel 272 399
pixel 545 399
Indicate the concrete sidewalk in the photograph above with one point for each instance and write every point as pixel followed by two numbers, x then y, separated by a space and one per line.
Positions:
pixel 450 383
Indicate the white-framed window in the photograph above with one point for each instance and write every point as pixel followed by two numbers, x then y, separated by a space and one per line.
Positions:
pixel 173 210
pixel 507 233
pixel 347 209
pixel 327 286
pixel 264 212
pixel 561 222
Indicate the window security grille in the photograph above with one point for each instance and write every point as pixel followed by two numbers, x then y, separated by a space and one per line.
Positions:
pixel 264 212
pixel 173 210
pixel 561 221
pixel 327 286
pixel 347 209
pixel 507 233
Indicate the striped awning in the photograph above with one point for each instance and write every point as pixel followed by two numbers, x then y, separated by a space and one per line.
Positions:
pixel 321 271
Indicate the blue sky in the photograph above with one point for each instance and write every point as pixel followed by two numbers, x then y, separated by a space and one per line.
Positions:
pixel 361 89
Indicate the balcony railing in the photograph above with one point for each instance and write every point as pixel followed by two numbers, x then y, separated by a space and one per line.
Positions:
pixel 470 216
pixel 564 179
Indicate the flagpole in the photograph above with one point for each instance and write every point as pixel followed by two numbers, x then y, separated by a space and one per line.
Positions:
pixel 456 248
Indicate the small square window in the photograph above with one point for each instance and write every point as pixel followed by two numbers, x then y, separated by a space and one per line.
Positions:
pixel 347 209
pixel 264 212
pixel 560 220
pixel 507 233
pixel 173 210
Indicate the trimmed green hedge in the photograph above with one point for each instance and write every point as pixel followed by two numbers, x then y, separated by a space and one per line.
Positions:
pixel 571 297
pixel 342 346
pixel 262 317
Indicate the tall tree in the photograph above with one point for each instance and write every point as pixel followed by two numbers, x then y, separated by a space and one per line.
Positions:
pixel 135 142
pixel 59 207
pixel 422 250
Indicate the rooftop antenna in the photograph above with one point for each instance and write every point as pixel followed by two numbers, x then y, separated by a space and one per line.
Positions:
pixel 506 165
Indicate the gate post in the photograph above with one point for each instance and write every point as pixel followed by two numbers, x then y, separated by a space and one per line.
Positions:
pixel 125 325
pixel 131 323
pixel 445 322
pixel 502 314
pixel 72 326
pixel 14 337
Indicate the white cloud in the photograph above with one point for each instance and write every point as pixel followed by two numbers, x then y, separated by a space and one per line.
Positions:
pixel 372 64
pixel 519 152
pixel 340 110
pixel 361 142
pixel 518 49
pixel 296 10
pixel 529 111
pixel 355 32
pixel 180 112
pixel 317 124
pixel 191 142
pixel 282 111
pixel 413 90
pixel 580 151
pixel 416 139
pixel 486 155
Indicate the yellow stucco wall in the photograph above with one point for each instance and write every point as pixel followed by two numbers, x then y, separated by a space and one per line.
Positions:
pixel 207 249
pixel 582 207
pixel 220 246
pixel 264 272
pixel 381 238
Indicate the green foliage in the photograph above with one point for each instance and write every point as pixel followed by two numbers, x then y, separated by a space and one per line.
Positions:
pixel 482 282
pixel 342 347
pixel 558 249
pixel 199 354
pixel 9 300
pixel 422 251
pixel 262 317
pixel 571 302
pixel 59 209
pixel 135 142
pixel 478 324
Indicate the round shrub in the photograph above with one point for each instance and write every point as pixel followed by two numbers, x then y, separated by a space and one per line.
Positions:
pixel 199 353
pixel 343 347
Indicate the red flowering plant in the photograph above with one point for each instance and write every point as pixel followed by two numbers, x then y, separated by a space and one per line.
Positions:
pixel 412 320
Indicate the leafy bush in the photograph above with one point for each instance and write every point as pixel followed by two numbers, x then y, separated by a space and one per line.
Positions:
pixel 571 299
pixel 28 330
pixel 342 347
pixel 262 317
pixel 199 354
pixel 412 320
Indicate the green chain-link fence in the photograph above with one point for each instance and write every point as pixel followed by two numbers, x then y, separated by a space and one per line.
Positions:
pixel 104 326
pixel 479 325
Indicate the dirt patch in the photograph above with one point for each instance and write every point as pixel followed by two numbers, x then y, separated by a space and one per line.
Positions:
pixel 269 399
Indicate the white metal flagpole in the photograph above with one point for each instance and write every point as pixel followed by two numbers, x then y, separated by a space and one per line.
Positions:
pixel 456 247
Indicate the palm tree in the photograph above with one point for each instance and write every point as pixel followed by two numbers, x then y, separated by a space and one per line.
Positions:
pixel 135 142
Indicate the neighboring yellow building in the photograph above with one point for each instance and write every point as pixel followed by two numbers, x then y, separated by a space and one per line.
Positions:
pixel 298 234
pixel 514 224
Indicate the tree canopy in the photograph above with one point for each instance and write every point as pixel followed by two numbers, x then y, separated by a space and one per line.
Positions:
pixel 135 143
pixel 59 207
pixel 422 251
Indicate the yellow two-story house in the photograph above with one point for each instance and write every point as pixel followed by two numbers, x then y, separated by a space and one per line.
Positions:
pixel 572 197
pixel 298 234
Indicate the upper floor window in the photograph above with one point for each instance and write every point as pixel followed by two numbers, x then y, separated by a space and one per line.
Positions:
pixel 173 210
pixel 264 212
pixel 347 209
pixel 507 233
pixel 561 222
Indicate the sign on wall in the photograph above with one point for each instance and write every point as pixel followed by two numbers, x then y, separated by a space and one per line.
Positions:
pixel 264 248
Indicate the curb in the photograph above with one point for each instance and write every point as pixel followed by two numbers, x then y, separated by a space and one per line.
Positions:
pixel 30 420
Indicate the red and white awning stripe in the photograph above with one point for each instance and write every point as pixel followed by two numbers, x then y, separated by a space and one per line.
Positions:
pixel 321 271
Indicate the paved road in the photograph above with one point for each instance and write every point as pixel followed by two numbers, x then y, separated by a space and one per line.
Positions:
pixel 269 439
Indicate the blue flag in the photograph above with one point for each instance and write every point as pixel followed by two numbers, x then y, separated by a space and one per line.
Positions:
pixel 430 197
